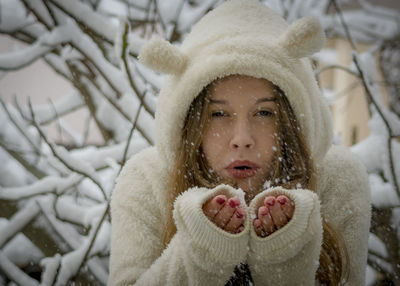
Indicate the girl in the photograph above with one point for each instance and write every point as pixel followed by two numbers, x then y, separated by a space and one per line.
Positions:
pixel 243 186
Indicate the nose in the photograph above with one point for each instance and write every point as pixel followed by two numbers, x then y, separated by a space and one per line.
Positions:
pixel 242 135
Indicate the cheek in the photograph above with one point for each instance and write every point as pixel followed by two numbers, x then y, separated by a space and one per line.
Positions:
pixel 213 145
pixel 267 147
pixel 270 143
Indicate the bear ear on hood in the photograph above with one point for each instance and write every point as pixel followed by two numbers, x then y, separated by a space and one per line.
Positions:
pixel 303 38
pixel 161 56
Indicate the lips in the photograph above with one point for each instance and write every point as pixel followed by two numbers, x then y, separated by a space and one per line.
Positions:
pixel 242 169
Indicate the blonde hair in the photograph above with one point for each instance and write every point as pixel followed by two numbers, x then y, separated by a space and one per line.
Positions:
pixel 294 169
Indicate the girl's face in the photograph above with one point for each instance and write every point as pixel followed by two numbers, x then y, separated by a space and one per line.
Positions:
pixel 240 139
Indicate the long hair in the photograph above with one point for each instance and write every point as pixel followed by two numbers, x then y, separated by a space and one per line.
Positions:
pixel 292 168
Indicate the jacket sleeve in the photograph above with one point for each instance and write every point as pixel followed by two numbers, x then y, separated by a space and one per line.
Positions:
pixel 199 253
pixel 290 255
pixel 346 204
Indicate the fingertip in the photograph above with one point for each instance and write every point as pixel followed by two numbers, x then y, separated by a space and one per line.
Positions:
pixel 257 223
pixel 220 199
pixel 240 213
pixel 240 229
pixel 282 199
pixel 269 201
pixel 288 209
pixel 258 230
pixel 234 202
pixel 262 211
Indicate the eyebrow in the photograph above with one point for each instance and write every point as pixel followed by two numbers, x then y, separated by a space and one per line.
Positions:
pixel 264 99
pixel 217 101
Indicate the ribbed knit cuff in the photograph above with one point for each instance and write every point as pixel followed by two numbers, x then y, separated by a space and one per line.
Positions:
pixel 190 219
pixel 290 239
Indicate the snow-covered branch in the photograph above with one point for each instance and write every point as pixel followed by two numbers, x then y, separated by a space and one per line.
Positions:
pixel 40 11
pixel 46 185
pixel 14 273
pixel 18 222
pixel 45 44
pixel 85 16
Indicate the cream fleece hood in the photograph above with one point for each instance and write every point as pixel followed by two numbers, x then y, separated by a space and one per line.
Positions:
pixel 240 37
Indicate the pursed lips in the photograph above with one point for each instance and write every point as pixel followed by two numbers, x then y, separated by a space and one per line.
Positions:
pixel 242 169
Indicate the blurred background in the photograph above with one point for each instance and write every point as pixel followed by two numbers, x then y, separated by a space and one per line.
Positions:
pixel 76 103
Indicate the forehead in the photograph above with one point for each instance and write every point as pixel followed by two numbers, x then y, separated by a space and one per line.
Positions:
pixel 245 87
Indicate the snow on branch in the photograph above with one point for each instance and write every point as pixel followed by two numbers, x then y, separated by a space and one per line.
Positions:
pixel 13 17
pixel 14 273
pixel 366 28
pixel 90 50
pixel 99 157
pixel 46 113
pixel 77 242
pixel 46 185
pixel 51 266
pixel 40 11
pixel 45 44
pixel 67 209
pixel 84 15
pixel 19 126
pixel 18 222
pixel 72 262
pixel 72 164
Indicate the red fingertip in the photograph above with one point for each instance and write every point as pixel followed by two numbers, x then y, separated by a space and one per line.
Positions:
pixel 282 200
pixel 233 203
pixel 220 200
pixel 270 201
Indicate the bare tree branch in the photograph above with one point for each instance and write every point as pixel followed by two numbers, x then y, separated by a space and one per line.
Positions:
pixel 89 102
pixel 321 70
pixel 124 58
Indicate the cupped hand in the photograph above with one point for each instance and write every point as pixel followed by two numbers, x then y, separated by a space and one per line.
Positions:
pixel 226 213
pixel 275 213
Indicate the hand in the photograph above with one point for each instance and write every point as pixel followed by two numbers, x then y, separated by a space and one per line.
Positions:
pixel 225 213
pixel 273 214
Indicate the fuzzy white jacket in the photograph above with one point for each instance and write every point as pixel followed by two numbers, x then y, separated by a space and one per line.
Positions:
pixel 200 253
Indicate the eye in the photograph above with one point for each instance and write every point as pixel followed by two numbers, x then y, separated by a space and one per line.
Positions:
pixel 264 113
pixel 218 114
